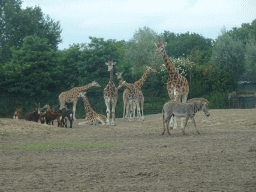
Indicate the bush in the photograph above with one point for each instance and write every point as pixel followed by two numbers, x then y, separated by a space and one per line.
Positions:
pixel 217 100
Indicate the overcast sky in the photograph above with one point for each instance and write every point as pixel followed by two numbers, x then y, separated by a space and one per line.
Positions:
pixel 119 19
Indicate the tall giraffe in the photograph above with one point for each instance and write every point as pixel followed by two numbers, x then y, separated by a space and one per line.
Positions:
pixel 110 94
pixel 177 85
pixel 72 95
pixel 135 97
pixel 91 116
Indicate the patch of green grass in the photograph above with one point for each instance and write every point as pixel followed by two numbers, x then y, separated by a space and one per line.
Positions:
pixel 3 134
pixel 57 144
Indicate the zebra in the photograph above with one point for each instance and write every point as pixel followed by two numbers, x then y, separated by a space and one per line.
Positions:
pixel 187 110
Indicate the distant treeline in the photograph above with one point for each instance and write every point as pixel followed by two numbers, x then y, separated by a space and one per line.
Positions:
pixel 33 70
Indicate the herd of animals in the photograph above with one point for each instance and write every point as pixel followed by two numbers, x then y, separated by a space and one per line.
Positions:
pixel 133 99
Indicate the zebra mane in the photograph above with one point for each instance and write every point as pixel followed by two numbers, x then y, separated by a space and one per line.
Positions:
pixel 197 99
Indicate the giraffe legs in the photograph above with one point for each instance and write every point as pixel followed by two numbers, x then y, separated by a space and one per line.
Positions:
pixel 113 111
pixel 138 110
pixel 74 109
pixel 127 110
pixel 142 113
pixel 134 104
pixel 107 102
pixel 130 109
pixel 125 103
pixel 184 100
pixel 173 122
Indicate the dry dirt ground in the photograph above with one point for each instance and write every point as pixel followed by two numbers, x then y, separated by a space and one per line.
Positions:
pixel 132 156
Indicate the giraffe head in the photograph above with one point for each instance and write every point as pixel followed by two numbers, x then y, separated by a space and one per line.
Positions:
pixel 94 83
pixel 151 69
pixel 110 65
pixel 119 75
pixel 160 47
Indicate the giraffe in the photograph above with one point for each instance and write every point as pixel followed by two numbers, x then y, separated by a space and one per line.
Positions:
pixel 139 83
pixel 91 116
pixel 177 85
pixel 110 94
pixel 72 95
pixel 134 98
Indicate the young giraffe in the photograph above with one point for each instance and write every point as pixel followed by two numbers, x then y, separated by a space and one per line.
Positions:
pixel 134 98
pixel 177 85
pixel 91 116
pixel 110 94
pixel 72 95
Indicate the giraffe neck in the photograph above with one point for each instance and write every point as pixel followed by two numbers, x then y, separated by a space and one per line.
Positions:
pixel 168 63
pixel 87 104
pixel 142 80
pixel 83 88
pixel 111 75
pixel 121 80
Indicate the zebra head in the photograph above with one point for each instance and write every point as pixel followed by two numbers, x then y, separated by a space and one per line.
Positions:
pixel 205 108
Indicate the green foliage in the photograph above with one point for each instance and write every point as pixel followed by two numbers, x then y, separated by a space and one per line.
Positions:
pixel 228 55
pixel 245 32
pixel 141 49
pixel 31 69
pixel 17 23
pixel 182 45
pixel 250 57
pixel 217 100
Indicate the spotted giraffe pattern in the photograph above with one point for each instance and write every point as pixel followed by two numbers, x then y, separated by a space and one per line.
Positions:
pixel 91 116
pixel 134 98
pixel 110 95
pixel 71 96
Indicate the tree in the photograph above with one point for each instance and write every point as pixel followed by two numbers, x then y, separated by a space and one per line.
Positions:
pixel 250 57
pixel 228 55
pixel 140 50
pixel 32 68
pixel 17 23
pixel 245 32
pixel 185 44
pixel 80 64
